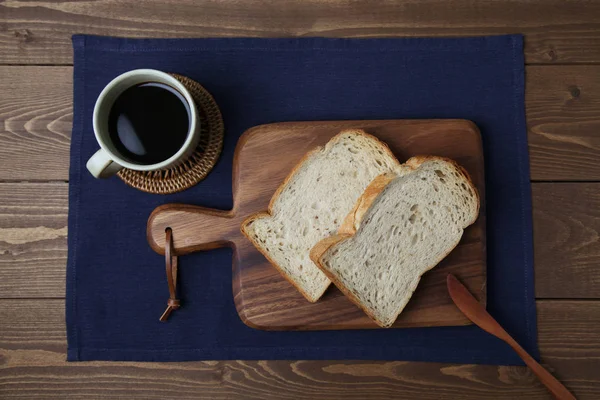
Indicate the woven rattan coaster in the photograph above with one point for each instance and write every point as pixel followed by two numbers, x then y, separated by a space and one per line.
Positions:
pixel 199 164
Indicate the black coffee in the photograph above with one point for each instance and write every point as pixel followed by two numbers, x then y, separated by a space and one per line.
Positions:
pixel 149 122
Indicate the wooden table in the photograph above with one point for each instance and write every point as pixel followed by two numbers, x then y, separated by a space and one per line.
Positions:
pixel 563 118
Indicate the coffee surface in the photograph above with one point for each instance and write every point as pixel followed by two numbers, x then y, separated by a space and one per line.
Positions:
pixel 148 123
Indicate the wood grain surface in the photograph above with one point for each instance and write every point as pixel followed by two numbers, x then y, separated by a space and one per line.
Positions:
pixel 33 239
pixel 563 122
pixel 562 105
pixel 36 114
pixel 566 225
pixel 33 346
pixel 556 31
pixel 263 297
pixel 563 119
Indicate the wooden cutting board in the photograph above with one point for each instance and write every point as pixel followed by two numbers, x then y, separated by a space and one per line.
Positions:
pixel 264 156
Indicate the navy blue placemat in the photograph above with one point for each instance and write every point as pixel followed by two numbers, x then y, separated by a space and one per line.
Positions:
pixel 116 285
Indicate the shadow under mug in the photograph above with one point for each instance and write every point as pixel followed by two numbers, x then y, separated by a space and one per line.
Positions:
pixel 108 161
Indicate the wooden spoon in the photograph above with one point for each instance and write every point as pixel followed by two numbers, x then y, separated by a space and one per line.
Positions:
pixel 480 317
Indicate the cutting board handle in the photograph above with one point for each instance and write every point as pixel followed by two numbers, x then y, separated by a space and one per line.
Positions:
pixel 194 228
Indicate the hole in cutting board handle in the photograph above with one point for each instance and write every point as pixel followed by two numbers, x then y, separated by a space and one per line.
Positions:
pixel 194 228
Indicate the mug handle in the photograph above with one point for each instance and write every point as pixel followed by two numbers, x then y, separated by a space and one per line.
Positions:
pixel 102 166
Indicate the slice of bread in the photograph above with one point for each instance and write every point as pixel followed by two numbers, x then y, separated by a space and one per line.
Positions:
pixel 401 227
pixel 312 203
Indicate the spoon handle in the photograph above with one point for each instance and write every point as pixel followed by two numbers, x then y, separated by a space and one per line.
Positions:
pixel 554 386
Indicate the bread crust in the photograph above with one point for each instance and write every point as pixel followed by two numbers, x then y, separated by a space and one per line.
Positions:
pixel 283 185
pixel 263 214
pixel 316 255
pixel 364 202
pixel 416 161
pixel 352 222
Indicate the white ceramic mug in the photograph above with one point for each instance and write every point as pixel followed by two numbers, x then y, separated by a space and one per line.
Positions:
pixel 107 161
